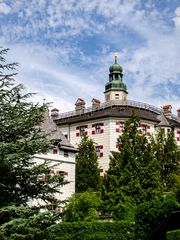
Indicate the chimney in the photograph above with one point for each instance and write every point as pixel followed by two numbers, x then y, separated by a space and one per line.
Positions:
pixel 54 113
pixel 95 103
pixel 167 111
pixel 80 106
pixel 178 114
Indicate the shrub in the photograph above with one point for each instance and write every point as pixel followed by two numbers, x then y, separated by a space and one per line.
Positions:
pixel 173 235
pixel 91 230
pixel 150 214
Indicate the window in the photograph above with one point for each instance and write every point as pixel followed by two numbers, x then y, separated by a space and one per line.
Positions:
pixel 144 128
pixel 66 153
pixel 98 150
pixel 119 126
pixel 63 174
pixel 98 128
pixel 81 130
pixel 116 96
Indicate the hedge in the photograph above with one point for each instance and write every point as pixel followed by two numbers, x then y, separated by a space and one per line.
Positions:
pixel 90 230
pixel 173 235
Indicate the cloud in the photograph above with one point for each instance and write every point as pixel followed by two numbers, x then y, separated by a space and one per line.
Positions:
pixel 55 43
pixel 4 8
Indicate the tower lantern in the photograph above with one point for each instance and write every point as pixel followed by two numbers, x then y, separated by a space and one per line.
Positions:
pixel 115 89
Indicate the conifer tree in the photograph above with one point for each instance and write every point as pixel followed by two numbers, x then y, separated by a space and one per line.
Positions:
pixel 21 180
pixel 87 171
pixel 168 154
pixel 133 175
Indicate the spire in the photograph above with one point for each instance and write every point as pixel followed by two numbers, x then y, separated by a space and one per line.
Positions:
pixel 115 56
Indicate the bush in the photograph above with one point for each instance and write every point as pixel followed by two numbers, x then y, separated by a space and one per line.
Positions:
pixel 91 230
pixel 173 235
pixel 150 214
pixel 82 207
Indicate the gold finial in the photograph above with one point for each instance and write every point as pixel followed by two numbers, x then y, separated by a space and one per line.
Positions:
pixel 115 55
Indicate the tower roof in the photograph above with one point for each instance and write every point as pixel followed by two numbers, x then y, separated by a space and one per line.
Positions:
pixel 115 68
pixel 115 78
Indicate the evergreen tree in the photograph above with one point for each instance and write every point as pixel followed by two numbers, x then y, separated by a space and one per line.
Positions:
pixel 87 171
pixel 133 175
pixel 21 180
pixel 168 154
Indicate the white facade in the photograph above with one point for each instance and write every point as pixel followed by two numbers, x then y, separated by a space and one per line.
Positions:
pixel 106 137
pixel 60 163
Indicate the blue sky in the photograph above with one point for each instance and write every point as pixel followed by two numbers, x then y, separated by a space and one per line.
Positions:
pixel 65 47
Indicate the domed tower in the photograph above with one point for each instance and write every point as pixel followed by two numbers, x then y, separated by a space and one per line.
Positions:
pixel 115 89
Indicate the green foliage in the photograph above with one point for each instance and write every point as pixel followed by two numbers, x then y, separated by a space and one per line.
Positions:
pixel 82 207
pixel 173 235
pixel 168 154
pixel 87 171
pixel 124 211
pixel 24 223
pixel 133 175
pixel 150 214
pixel 94 230
pixel 21 180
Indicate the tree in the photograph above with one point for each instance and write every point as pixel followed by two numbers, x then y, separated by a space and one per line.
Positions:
pixel 133 175
pixel 21 179
pixel 82 207
pixel 168 154
pixel 87 171
pixel 151 213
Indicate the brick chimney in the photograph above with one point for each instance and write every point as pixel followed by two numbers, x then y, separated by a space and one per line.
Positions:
pixel 95 103
pixel 167 111
pixel 178 114
pixel 80 106
pixel 54 113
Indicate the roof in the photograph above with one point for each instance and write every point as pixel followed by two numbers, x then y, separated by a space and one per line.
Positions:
pixel 163 121
pixel 113 111
pixel 54 133
pixel 118 111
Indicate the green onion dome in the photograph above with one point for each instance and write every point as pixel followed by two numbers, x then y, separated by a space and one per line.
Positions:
pixel 115 68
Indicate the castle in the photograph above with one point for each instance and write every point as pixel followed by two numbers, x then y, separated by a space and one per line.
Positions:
pixel 103 122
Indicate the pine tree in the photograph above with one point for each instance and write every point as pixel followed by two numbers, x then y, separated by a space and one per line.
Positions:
pixel 168 154
pixel 87 171
pixel 21 180
pixel 133 175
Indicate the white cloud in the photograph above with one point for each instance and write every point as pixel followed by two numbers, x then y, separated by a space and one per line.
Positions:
pixel 51 70
pixel 4 8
